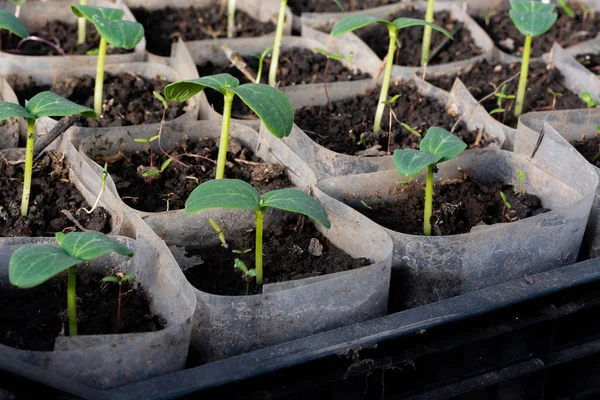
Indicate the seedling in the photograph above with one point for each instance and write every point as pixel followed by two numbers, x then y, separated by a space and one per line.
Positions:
pixel 31 265
pixel 113 30
pixel 230 18
pixel 555 95
pixel 531 18
pixel 521 181
pixel 410 129
pixel 241 252
pixel 487 16
pixel 248 273
pixel 354 22
pixel 237 194
pixel 506 203
pixel 118 279
pixel 102 187
pixel 437 146
pixel 220 232
pixel 45 104
pixel 587 98
pixel 568 10
pixel 12 24
pixel 154 171
pixel 328 56
pixel 261 61
pixel 277 44
pixel 427 31
pixel 270 104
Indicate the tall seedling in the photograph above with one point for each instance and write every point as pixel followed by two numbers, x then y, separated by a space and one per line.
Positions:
pixel 270 104
pixel 45 104
pixel 531 18
pixel 353 22
pixel 427 31
pixel 12 24
pixel 437 146
pixel 277 44
pixel 237 194
pixel 113 30
pixel 32 265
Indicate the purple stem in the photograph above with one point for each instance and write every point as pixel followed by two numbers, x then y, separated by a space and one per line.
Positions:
pixel 42 40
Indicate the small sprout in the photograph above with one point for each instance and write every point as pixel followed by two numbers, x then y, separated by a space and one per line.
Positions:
pixel 118 279
pixel 568 10
pixel 241 252
pixel 413 131
pixel 220 232
pixel 154 171
pixel 142 140
pixel 587 98
pixel 261 60
pixel 437 146
pixel 497 111
pixel 521 181
pixel 350 61
pixel 487 16
pixel 161 99
pixel 248 273
pixel 339 4
pixel 364 203
pixel 18 4
pixel 102 187
pixel 506 203
pixel 328 56
pixel 555 95
pixel 32 265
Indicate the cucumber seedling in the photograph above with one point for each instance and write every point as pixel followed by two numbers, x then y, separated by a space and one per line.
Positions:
pixel 119 279
pixel 13 25
pixel 277 44
pixel 237 194
pixel 354 22
pixel 328 56
pixel 113 30
pixel 31 265
pixel 589 101
pixel 270 104
pixel 531 18
pixel 248 273
pixel 44 104
pixel 437 146
pixel 555 96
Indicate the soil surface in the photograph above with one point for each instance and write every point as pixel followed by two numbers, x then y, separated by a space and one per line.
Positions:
pixel 484 77
pixel 589 148
pixel 457 207
pixel 176 182
pixel 566 31
pixel 127 98
pixel 590 61
pixel 33 318
pixel 297 66
pixel 340 128
pixel 51 192
pixel 61 33
pixel 293 249
pixel 461 48
pixel 165 26
pixel 305 6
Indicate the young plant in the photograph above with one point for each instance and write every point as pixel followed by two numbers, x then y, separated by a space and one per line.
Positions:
pixel 270 104
pixel 237 194
pixel 354 22
pixel 32 265
pixel 230 18
pixel 118 279
pixel 261 61
pixel 555 96
pixel 426 45
pixel 568 10
pixel 12 24
pixel 506 205
pixel 45 104
pixel 155 171
pixel 437 146
pixel 102 187
pixel 531 18
pixel 587 98
pixel 277 44
pixel 113 30
pixel 248 273
pixel 328 56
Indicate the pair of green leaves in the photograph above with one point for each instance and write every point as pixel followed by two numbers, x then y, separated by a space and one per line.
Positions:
pixel 110 25
pixel 354 22
pixel 237 194
pixel 532 18
pixel 437 146
pixel 12 24
pixel 32 265
pixel 270 104
pixel 44 104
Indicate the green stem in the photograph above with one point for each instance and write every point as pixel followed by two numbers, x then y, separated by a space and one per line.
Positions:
pixel 99 77
pixel 523 77
pixel 277 45
pixel 72 302
pixel 385 85
pixel 28 167
pixel 261 61
pixel 427 33
pixel 428 202
pixel 259 246
pixel 224 143
pixel 231 18
pixel 81 25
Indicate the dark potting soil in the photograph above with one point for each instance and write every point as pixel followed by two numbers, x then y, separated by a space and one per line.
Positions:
pixel 292 249
pixel 305 6
pixel 484 77
pixel 60 33
pixel 566 31
pixel 457 207
pixel 51 193
pixel 461 48
pixel 340 128
pixel 165 26
pixel 589 148
pixel 297 66
pixel 33 318
pixel 127 98
pixel 176 182
pixel 590 61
